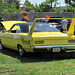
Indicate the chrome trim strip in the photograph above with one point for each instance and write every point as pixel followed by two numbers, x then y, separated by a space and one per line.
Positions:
pixel 50 46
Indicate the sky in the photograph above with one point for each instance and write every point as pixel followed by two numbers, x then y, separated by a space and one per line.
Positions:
pixel 40 1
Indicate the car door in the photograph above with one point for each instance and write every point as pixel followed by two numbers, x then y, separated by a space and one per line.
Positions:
pixel 13 36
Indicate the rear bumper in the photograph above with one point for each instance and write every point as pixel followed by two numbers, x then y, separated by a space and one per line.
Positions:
pixel 52 46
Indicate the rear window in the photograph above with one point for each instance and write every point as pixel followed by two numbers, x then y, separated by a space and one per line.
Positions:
pixel 44 28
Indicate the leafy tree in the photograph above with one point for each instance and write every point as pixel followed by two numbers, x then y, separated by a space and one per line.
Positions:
pixel 37 8
pixel 1 6
pixel 13 2
pixel 28 5
pixel 57 9
pixel 70 9
pixel 8 6
pixel 70 6
pixel 51 2
pixel 70 2
pixel 17 4
pixel 11 8
pixel 45 7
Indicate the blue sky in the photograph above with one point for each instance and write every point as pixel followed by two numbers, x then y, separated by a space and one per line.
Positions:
pixel 40 1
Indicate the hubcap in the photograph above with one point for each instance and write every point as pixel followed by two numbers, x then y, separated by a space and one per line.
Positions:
pixel 0 46
pixel 21 51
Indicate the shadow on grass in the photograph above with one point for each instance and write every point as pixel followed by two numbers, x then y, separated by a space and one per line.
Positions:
pixel 39 57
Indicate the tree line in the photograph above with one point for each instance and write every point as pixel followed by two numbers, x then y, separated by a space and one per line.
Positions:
pixel 46 6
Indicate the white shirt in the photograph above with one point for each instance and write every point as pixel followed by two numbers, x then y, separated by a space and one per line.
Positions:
pixel 64 23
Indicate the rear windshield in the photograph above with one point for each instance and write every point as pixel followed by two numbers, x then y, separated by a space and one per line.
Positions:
pixel 44 28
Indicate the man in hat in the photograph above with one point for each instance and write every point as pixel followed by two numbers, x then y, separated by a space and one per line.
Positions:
pixel 25 18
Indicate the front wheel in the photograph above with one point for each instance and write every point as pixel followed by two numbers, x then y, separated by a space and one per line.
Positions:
pixel 21 51
pixel 1 46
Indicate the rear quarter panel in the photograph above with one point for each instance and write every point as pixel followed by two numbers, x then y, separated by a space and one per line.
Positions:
pixel 12 40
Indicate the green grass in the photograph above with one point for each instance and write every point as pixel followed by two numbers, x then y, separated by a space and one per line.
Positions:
pixel 12 64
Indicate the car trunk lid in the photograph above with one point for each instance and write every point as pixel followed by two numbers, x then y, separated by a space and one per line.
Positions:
pixel 50 38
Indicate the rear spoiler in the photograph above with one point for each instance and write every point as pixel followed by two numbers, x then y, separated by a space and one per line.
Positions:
pixel 70 31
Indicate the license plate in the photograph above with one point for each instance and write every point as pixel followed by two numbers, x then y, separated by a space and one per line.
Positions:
pixel 56 50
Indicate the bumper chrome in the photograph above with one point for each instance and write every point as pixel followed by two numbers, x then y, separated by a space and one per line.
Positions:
pixel 51 46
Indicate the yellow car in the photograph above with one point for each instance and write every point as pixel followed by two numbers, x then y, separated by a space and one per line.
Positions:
pixel 36 37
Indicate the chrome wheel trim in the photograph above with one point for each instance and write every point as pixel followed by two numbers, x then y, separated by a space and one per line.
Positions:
pixel 1 47
pixel 21 51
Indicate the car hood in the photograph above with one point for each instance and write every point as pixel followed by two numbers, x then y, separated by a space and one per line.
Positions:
pixel 9 24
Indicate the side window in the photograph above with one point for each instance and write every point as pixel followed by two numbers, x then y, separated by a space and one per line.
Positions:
pixel 16 29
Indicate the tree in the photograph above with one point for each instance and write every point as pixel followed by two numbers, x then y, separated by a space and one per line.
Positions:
pixel 7 6
pixel 45 7
pixel 70 6
pixel 17 4
pixel 57 9
pixel 11 8
pixel 13 2
pixel 70 2
pixel 51 2
pixel 1 6
pixel 69 9
pixel 28 6
pixel 37 8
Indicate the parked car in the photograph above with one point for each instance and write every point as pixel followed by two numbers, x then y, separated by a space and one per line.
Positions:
pixel 54 22
pixel 36 37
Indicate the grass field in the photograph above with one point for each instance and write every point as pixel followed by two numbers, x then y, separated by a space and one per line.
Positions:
pixel 12 64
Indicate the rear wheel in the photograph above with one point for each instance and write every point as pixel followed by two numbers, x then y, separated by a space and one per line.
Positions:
pixel 63 50
pixel 21 51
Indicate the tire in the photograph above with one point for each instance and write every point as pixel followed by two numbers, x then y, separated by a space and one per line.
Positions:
pixel 63 50
pixel 1 46
pixel 21 51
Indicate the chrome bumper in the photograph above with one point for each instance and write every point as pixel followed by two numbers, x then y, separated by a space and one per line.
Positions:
pixel 52 46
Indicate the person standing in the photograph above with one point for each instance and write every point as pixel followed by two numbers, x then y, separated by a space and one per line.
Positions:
pixel 25 18
pixel 64 23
